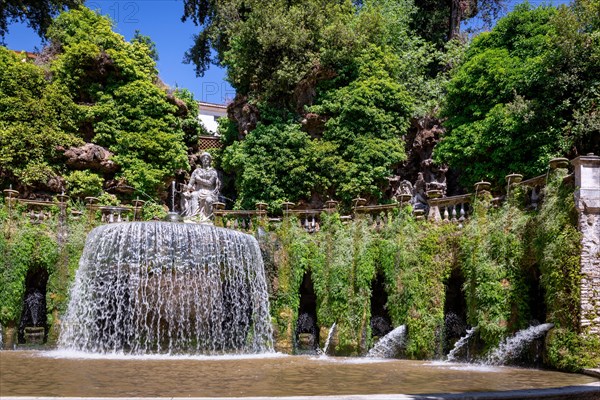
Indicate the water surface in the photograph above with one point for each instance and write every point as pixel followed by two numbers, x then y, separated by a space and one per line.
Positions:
pixel 30 373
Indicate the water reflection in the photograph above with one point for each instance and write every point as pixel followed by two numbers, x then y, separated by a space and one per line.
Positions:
pixel 26 373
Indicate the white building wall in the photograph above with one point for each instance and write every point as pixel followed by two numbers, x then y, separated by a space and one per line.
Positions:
pixel 208 114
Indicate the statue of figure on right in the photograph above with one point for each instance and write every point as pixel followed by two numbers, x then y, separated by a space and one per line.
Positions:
pixel 405 189
pixel 201 191
pixel 419 196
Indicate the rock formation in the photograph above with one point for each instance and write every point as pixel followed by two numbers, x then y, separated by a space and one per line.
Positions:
pixel 91 156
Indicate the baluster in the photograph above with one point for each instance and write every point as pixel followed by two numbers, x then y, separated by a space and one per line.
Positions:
pixel 462 212
pixel 306 225
pixel 446 214
pixel 250 224
pixel 235 224
pixel 454 213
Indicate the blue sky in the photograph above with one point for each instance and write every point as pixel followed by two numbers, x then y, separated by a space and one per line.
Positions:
pixel 161 20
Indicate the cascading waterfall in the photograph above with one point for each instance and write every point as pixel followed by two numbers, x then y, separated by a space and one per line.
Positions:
pixel 512 346
pixel 460 344
pixel 388 346
pixel 160 287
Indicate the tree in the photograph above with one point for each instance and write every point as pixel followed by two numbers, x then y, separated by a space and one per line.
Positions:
pixel 92 86
pixel 273 164
pixel 114 83
pixel 356 69
pixel 438 21
pixel 366 120
pixel 37 118
pixel 38 13
pixel 526 92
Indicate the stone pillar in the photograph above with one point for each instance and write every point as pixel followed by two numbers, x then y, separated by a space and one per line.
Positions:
pixel 587 202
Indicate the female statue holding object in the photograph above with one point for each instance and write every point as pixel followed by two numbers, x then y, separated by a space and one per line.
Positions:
pixel 201 191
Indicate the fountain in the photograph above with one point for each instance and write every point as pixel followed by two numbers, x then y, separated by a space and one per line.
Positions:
pixel 328 341
pixel 512 347
pixel 462 342
pixel 388 346
pixel 159 287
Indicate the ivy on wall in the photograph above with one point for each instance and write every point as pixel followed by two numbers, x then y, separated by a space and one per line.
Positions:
pixel 497 251
pixel 43 246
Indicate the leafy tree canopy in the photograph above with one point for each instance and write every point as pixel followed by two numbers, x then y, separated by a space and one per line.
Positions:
pixel 360 71
pixel 100 89
pixel 37 13
pixel 526 92
pixel 37 117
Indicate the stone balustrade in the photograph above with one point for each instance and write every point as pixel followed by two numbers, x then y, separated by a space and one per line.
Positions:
pixel 242 220
pixel 453 209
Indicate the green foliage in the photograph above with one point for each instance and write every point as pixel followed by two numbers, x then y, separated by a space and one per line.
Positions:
pixel 342 281
pixel 568 351
pixel 525 93
pixel 153 211
pixel 273 164
pixel 358 67
pixel 344 259
pixel 122 106
pixel 37 118
pixel 91 86
pixel 37 13
pixel 362 138
pixel 355 155
pixel 29 247
pixel 139 126
pixel 557 244
pixel 416 259
pixel 82 184
pixel 296 253
pixel 492 249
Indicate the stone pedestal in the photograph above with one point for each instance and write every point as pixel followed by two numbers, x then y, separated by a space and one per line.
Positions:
pixel 587 202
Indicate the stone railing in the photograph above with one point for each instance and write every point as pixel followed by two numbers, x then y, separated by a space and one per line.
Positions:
pixel 40 211
pixel 451 209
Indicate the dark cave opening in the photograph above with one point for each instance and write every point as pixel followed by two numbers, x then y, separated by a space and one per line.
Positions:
pixel 33 327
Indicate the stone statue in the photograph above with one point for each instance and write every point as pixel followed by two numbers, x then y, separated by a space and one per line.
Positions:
pixel 201 191
pixel 405 188
pixel 419 196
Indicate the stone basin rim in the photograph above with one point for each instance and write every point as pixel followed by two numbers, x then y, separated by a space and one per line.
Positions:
pixel 585 391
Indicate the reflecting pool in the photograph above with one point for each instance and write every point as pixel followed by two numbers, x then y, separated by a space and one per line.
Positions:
pixel 54 373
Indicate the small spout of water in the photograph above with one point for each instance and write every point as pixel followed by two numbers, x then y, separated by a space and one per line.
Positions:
pixel 512 346
pixel 388 346
pixel 460 344
pixel 328 341
pixel 173 196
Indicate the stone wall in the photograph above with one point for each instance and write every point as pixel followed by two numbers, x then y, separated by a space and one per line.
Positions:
pixel 587 201
pixel 589 224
